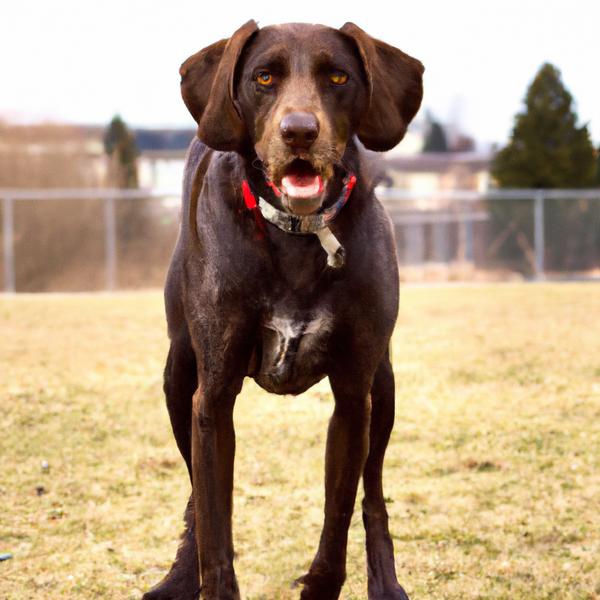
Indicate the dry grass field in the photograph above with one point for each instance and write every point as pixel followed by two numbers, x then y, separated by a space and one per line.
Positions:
pixel 492 474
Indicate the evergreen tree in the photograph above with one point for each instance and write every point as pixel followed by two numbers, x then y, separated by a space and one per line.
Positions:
pixel 548 149
pixel 134 218
pixel 435 140
pixel 119 144
pixel 598 167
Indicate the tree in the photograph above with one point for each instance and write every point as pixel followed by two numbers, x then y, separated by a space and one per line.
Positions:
pixel 119 144
pixel 598 167
pixel 135 221
pixel 463 143
pixel 548 149
pixel 435 139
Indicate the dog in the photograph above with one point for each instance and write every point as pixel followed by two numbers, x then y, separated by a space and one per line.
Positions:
pixel 285 271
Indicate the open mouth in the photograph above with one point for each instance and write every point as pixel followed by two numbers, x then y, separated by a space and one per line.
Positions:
pixel 301 180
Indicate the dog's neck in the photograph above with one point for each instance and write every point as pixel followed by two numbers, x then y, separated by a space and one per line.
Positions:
pixel 263 200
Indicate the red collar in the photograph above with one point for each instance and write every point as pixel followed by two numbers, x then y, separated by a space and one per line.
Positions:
pixel 292 223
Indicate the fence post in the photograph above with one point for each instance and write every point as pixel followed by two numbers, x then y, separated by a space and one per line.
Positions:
pixel 8 223
pixel 538 234
pixel 110 243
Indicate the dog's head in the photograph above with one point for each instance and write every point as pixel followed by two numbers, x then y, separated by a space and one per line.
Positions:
pixel 295 94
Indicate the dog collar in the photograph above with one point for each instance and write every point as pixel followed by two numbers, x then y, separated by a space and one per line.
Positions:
pixel 304 225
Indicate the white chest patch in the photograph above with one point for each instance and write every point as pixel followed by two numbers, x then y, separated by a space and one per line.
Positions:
pixel 294 335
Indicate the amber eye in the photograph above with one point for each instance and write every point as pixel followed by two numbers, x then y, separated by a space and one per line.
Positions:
pixel 338 77
pixel 264 78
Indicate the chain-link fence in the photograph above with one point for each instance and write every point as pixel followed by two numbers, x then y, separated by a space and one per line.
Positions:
pixel 95 239
pixel 88 239
pixel 500 234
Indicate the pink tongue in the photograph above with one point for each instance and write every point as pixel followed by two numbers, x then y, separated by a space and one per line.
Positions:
pixel 302 186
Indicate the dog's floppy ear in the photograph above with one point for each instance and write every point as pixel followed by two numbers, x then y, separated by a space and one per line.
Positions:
pixel 395 90
pixel 207 87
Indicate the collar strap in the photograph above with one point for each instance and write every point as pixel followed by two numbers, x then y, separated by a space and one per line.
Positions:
pixel 302 225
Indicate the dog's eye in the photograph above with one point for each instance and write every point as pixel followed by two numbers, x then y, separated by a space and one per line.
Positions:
pixel 264 78
pixel 338 77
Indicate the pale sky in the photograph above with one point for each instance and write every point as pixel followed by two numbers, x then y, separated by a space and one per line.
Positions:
pixel 82 61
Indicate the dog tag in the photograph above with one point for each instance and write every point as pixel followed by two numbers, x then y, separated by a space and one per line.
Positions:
pixel 331 245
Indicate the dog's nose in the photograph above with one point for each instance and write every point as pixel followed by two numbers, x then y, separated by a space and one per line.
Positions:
pixel 299 129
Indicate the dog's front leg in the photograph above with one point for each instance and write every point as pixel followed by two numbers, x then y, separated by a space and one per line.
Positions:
pixel 347 443
pixel 383 584
pixel 213 449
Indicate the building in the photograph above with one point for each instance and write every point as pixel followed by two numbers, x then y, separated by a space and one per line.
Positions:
pixel 162 156
pixel 435 234
pixel 437 171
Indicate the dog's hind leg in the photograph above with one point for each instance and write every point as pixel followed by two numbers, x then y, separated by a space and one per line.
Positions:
pixel 180 383
pixel 382 581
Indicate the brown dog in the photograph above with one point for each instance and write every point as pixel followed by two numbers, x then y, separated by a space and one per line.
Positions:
pixel 285 271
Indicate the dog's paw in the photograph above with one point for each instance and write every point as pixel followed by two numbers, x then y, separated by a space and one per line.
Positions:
pixel 395 593
pixel 320 585
pixel 169 590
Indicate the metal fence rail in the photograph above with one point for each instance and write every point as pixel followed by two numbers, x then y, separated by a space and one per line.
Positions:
pixel 412 212
pixel 106 195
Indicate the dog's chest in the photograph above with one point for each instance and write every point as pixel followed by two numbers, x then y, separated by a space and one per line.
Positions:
pixel 292 350
pixel 297 263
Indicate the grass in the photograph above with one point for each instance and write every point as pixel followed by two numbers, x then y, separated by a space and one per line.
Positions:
pixel 492 474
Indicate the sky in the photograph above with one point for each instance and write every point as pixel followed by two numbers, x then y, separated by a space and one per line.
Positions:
pixel 83 61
